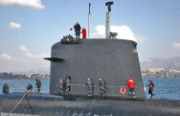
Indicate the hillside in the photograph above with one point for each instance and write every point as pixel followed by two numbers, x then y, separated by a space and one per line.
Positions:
pixel 169 63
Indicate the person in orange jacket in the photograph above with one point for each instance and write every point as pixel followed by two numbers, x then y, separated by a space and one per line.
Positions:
pixel 83 33
pixel 131 86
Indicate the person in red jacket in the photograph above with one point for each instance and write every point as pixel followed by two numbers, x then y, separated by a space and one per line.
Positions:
pixel 131 86
pixel 83 33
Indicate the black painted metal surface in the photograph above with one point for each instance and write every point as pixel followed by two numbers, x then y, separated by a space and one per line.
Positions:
pixel 112 60
pixel 50 105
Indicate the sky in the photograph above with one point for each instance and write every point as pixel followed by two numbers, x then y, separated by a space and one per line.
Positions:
pixel 28 28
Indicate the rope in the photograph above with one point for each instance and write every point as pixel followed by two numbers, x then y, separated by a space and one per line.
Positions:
pixel 17 104
pixel 29 104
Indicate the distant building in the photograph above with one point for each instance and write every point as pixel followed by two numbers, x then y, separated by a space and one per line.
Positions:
pixel 11 76
pixel 160 73
pixel 154 70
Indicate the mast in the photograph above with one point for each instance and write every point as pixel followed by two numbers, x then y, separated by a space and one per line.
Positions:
pixel 89 15
pixel 108 14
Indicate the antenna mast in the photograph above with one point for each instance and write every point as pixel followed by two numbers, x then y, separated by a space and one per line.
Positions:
pixel 89 15
pixel 108 14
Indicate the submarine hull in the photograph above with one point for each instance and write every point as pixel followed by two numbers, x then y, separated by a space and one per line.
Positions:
pixel 50 105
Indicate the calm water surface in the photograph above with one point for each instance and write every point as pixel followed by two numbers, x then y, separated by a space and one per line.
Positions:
pixel 164 87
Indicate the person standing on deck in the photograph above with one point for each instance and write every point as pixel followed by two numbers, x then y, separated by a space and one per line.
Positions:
pixel 38 85
pixel 5 88
pixel 102 88
pixel 77 29
pixel 68 83
pixel 131 85
pixel 61 86
pixel 90 85
pixel 83 33
pixel 151 88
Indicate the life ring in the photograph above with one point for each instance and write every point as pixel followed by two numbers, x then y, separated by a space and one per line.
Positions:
pixel 122 91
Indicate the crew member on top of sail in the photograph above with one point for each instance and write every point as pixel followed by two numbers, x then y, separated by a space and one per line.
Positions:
pixel 77 29
pixel 83 33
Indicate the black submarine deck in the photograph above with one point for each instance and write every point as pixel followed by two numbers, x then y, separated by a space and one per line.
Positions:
pixel 51 105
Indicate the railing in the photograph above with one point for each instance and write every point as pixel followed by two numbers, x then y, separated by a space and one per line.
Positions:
pixel 115 91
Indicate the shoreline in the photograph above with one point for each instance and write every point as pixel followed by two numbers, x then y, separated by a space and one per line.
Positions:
pixel 49 78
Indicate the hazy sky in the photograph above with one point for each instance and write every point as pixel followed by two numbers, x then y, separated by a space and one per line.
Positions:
pixel 28 28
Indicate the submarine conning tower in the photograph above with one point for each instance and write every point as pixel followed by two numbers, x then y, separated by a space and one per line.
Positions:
pixel 112 60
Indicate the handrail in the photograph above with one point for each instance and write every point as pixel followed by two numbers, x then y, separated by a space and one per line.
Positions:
pixel 96 85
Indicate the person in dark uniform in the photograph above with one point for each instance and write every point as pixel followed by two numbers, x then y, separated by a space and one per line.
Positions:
pixel 38 85
pixel 77 29
pixel 29 87
pixel 102 88
pixel 151 88
pixel 68 83
pixel 5 88
pixel 90 85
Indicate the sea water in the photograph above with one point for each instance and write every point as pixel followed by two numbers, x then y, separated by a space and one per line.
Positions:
pixel 164 88
pixel 168 88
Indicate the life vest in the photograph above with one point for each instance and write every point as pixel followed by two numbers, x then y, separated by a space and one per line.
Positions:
pixel 151 86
